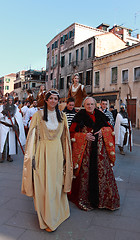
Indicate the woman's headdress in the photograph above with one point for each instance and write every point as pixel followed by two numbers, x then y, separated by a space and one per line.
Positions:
pixel 53 91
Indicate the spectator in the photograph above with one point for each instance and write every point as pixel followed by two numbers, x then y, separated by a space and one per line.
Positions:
pixel 70 110
pixel 106 112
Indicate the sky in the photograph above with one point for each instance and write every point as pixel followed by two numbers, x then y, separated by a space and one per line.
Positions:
pixel 26 26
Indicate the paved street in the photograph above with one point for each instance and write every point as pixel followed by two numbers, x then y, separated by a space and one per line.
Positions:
pixel 18 220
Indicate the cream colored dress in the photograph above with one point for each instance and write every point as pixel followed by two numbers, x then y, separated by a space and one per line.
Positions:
pixel 49 143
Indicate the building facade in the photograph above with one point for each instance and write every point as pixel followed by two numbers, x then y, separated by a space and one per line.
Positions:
pixel 116 76
pixel 7 83
pixel 125 34
pixel 1 86
pixel 73 51
pixel 20 78
pixel 32 80
pixel 79 58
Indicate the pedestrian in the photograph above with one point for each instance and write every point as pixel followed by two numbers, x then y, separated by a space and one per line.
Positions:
pixel 94 185
pixel 9 113
pixel 104 109
pixel 77 91
pixel 24 110
pixel 123 129
pixel 69 110
pixel 29 114
pixel 48 146
pixel 114 112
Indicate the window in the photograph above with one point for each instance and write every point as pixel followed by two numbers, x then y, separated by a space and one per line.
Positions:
pixel 137 74
pixel 69 58
pixel 64 38
pixel 6 87
pixel 104 28
pixel 7 80
pixel 77 53
pixel 97 78
pixel 68 81
pixel 82 53
pixel 89 50
pixel 61 83
pixel 52 46
pixel 61 41
pixel 52 63
pixel 71 34
pixel 56 44
pixel 17 85
pixel 81 78
pixel 51 76
pixel 26 86
pixel 33 84
pixel 124 76
pixel 114 75
pixel 62 61
pixel 48 50
pixel 47 66
pixel 54 83
pixel 88 76
pixel 55 59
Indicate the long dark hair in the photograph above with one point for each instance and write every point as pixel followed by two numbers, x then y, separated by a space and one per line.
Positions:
pixel 58 113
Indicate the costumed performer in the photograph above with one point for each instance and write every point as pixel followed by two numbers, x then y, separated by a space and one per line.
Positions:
pixel 8 139
pixel 94 185
pixel 77 91
pixel 48 150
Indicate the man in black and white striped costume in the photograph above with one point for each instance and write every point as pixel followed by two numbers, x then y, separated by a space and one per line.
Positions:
pixel 69 110
pixel 106 112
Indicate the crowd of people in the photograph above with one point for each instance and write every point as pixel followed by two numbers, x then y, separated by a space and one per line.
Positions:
pixel 69 155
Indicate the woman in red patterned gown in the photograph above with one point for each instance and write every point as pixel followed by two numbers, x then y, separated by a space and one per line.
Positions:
pixel 95 185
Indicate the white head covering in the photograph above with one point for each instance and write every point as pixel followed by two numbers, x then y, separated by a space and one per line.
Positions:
pixel 122 105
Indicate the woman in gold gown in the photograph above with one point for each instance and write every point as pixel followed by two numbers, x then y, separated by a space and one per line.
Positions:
pixel 47 169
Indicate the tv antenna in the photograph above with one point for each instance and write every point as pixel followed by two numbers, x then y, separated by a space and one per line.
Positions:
pixel 137 13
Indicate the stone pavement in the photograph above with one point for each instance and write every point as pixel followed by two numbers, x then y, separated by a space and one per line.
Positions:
pixel 18 220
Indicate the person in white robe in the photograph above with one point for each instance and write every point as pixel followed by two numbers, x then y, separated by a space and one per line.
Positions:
pixel 8 139
pixel 24 110
pixel 29 114
pixel 122 130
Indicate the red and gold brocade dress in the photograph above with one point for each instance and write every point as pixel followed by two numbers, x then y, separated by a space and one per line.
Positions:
pixel 95 185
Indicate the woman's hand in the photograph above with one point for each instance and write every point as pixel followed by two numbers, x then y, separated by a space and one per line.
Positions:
pixel 90 137
pixel 99 132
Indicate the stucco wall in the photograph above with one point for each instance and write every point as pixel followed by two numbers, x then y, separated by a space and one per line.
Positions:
pixel 107 43
pixel 124 60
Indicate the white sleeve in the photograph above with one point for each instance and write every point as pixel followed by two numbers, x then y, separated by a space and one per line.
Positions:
pixel 27 117
pixel 82 87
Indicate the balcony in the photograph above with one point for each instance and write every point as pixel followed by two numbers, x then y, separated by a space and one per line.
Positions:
pixel 74 64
